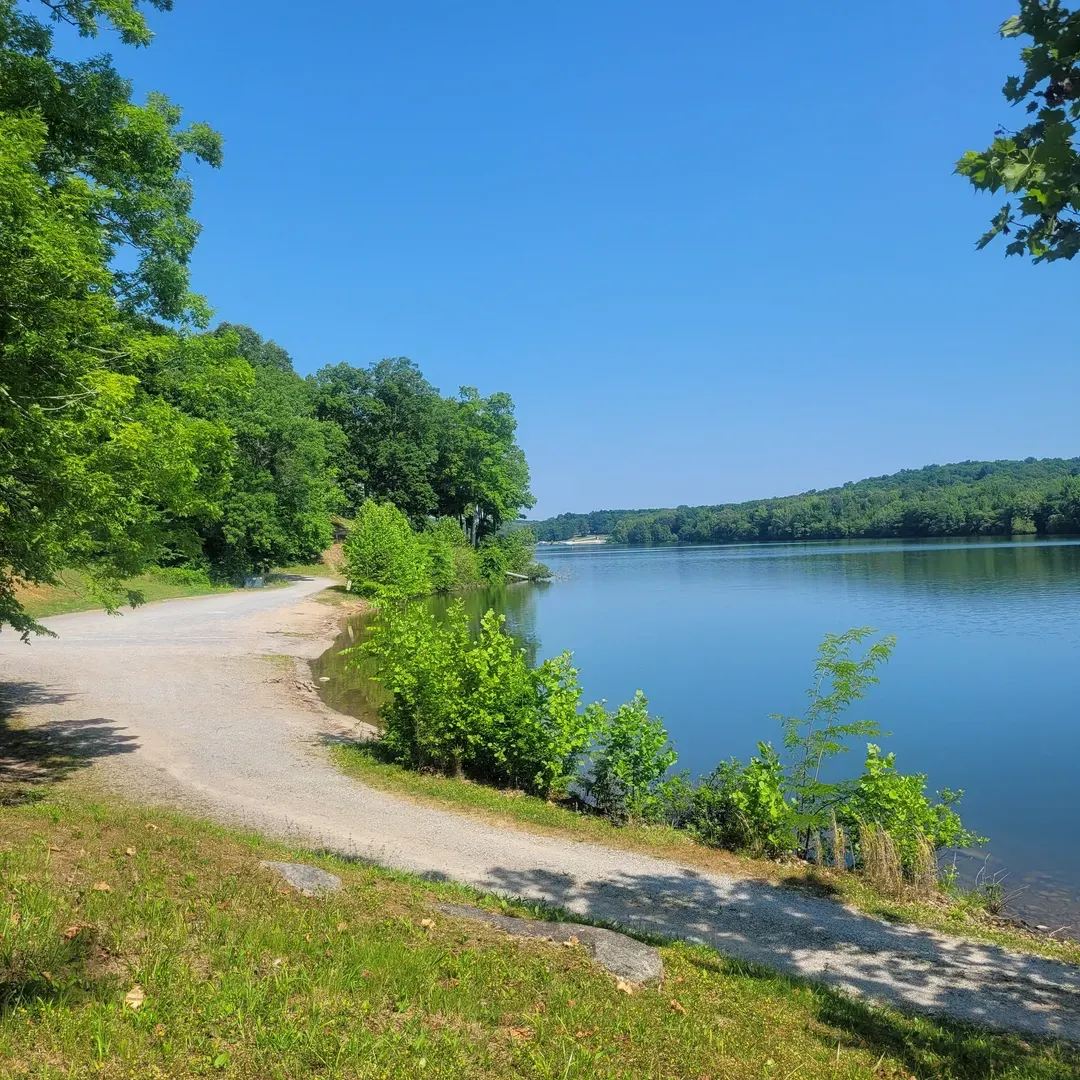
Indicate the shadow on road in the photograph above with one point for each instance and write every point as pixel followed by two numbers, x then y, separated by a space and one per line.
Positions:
pixel 45 753
pixel 809 938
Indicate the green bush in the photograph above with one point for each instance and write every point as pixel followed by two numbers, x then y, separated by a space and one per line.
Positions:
pixel 182 575
pixel 383 556
pixel 630 759
pixel 898 803
pixel 745 807
pixel 491 562
pixel 473 707
pixel 451 560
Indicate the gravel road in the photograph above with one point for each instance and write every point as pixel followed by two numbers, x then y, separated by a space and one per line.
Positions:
pixel 203 703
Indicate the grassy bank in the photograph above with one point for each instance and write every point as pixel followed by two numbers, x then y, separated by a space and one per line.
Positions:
pixel 952 914
pixel 73 593
pixel 140 944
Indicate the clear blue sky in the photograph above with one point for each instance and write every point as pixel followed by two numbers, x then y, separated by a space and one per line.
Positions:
pixel 714 251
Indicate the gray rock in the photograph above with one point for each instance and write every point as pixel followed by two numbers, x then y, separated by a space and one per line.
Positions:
pixel 308 880
pixel 623 956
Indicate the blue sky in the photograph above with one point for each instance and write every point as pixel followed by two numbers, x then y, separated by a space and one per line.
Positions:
pixel 714 251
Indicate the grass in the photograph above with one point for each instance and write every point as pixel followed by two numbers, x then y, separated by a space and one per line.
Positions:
pixel 950 914
pixel 73 593
pixel 236 976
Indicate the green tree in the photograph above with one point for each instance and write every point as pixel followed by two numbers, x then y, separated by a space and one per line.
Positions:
pixel 383 556
pixel 92 465
pixel 391 417
pixel 1039 162
pixel 282 486
pixel 132 155
pixel 483 477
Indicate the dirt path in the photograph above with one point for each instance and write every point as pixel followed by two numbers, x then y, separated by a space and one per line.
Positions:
pixel 199 703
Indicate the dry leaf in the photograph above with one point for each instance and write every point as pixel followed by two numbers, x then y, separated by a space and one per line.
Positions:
pixel 428 924
pixel 626 987
pixel 307 937
pixel 134 997
pixel 159 1030
pixel 677 1007
pixel 523 1033
pixel 51 848
pixel 129 851
pixel 101 886
pixel 277 963
pixel 328 953
pixel 342 927
pixel 74 931
pixel 571 941
pixel 150 825
pixel 15 918
pixel 47 976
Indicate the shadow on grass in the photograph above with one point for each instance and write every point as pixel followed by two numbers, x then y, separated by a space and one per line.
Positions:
pixel 927 1046
pixel 46 753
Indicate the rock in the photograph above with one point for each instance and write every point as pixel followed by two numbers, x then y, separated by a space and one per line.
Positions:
pixel 308 880
pixel 625 957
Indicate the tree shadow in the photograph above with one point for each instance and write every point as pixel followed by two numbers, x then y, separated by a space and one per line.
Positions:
pixel 924 1046
pixel 46 753
pixel 806 937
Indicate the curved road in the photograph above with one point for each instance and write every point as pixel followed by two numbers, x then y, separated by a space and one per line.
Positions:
pixel 183 702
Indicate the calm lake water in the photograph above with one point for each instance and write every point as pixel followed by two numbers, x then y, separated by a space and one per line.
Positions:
pixel 982 692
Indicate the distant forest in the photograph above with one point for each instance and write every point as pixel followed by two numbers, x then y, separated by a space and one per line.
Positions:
pixel 970 498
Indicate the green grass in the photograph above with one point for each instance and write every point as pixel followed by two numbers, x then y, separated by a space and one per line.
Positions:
pixel 73 594
pixel 951 915
pixel 242 978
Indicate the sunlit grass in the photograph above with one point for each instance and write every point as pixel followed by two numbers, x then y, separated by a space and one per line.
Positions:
pixel 72 593
pixel 240 977
pixel 363 762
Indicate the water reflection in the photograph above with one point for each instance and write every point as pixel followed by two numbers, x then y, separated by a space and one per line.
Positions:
pixel 345 676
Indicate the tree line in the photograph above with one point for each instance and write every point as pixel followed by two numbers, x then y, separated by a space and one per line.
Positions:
pixel 132 434
pixel 970 498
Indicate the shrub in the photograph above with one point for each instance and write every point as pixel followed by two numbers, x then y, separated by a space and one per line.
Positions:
pixel 744 807
pixel 629 761
pixel 182 575
pixel 383 556
pixel 898 804
pixel 491 562
pixel 439 557
pixel 474 707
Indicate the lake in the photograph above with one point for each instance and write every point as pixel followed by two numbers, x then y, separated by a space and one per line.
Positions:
pixel 982 691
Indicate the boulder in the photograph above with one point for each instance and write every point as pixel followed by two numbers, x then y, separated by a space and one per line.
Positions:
pixel 308 880
pixel 624 956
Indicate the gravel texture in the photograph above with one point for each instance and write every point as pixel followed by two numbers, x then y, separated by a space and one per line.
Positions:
pixel 206 704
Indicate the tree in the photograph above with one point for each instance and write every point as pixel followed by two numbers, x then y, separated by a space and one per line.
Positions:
pixel 483 477
pixel 257 352
pixel 390 415
pixel 92 465
pixel 1040 162
pixel 282 486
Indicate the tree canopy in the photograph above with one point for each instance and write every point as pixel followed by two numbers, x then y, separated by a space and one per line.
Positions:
pixel 971 498
pixel 1038 162
pixel 130 435
pixel 428 455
